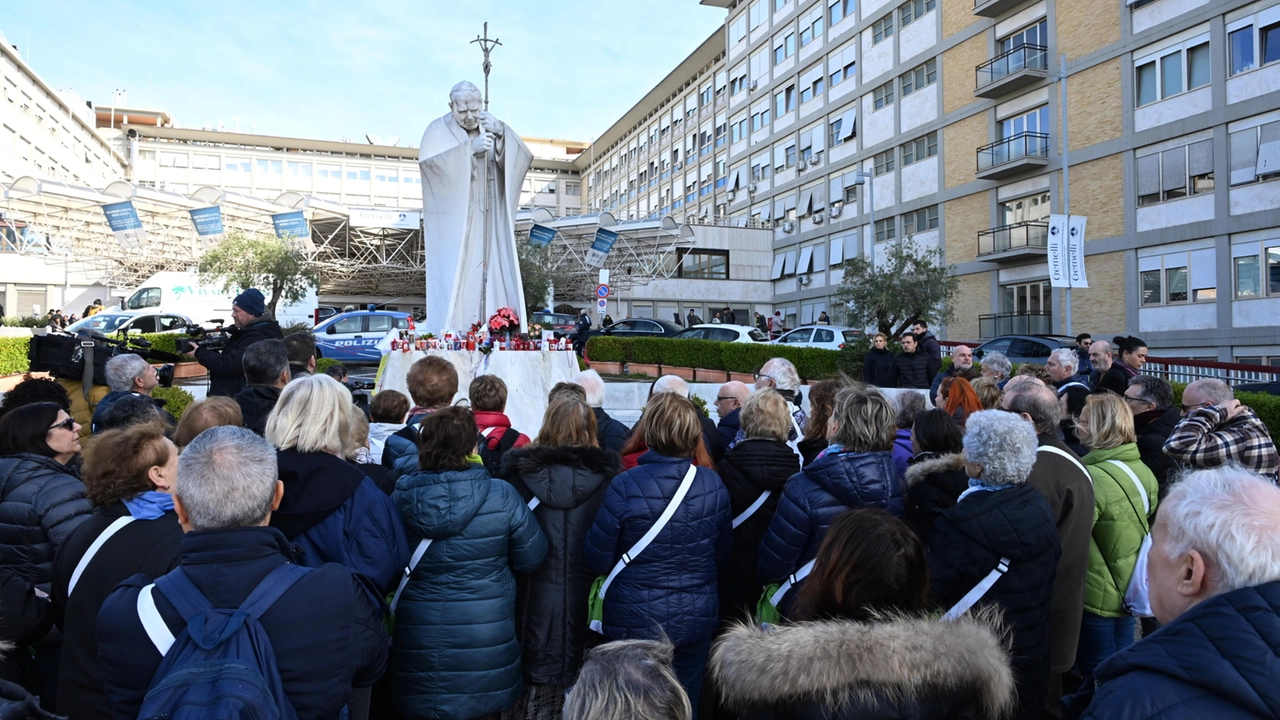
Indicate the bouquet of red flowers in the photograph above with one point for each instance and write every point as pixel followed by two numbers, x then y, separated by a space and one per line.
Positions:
pixel 504 321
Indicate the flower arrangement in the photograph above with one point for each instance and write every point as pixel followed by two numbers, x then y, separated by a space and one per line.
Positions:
pixel 503 321
pixel 535 330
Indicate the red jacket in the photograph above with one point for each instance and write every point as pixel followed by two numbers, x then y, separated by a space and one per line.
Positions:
pixel 486 420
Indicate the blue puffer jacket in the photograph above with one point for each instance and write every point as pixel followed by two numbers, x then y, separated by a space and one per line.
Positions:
pixel 812 499
pixel 455 654
pixel 671 587
pixel 334 513
pixel 1216 660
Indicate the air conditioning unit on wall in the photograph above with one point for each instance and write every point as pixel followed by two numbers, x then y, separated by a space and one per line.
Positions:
pixel 818 218
pixel 788 227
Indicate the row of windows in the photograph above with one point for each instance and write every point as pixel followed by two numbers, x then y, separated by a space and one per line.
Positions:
pixel 909 82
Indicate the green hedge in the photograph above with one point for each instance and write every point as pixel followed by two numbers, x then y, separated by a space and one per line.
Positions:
pixel 176 399
pixel 13 355
pixel 324 364
pixel 811 363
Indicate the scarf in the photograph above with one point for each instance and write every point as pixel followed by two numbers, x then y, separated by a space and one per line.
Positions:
pixel 976 485
pixel 150 505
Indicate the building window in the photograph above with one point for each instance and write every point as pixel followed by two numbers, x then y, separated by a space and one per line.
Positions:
pixel 839 132
pixel 791 155
pixel 1173 71
pixel 738 82
pixel 842 64
pixel 1035 121
pixel 913 10
pixel 886 229
pixel 917 78
pixel 812 84
pixel 1176 278
pixel 1252 46
pixel 784 101
pixel 704 97
pixel 882 96
pixel 737 30
pixel 838 10
pixel 882 29
pixel 884 163
pixel 812 26
pixel 738 129
pixel 1027 209
pixel 1249 264
pixel 922 220
pixel 919 149
pixel 704 264
pixel 1175 173
pixel 756 14
pixel 779 4
pixel 760 119
pixel 1255 154
pixel 760 168
pixel 1037 35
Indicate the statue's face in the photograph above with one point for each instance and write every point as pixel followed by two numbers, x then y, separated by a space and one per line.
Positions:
pixel 466 110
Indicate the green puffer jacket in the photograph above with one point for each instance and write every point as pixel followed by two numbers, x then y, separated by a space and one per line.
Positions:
pixel 1118 526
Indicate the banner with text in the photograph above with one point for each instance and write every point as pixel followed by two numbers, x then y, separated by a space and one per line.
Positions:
pixel 1075 251
pixel 208 222
pixel 125 223
pixel 541 235
pixel 1057 252
pixel 385 219
pixel 601 246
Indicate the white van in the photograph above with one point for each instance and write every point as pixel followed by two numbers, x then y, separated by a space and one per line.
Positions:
pixel 183 294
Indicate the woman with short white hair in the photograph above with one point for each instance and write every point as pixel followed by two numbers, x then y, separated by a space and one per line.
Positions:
pixel 1002 528
pixel 996 366
pixel 331 509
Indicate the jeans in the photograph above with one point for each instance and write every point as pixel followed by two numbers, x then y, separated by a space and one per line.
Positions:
pixel 1100 638
pixel 689 662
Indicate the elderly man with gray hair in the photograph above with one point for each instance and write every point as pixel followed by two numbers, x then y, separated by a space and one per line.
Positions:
pixel 126 375
pixel 1216 430
pixel 324 625
pixel 612 434
pixel 1214 581
pixel 1002 529
pixel 628 680
pixel 781 375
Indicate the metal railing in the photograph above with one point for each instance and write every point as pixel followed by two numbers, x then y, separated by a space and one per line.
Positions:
pixel 1026 234
pixel 998 324
pixel 1182 370
pixel 1022 57
pixel 1017 147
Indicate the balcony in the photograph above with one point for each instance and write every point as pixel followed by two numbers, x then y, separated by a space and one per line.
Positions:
pixel 1015 241
pixel 990 326
pixel 1013 155
pixel 1011 70
pixel 994 8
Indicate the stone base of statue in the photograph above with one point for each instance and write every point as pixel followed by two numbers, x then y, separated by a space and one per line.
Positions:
pixel 529 376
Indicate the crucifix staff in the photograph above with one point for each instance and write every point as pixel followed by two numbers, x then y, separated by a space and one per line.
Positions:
pixel 490 182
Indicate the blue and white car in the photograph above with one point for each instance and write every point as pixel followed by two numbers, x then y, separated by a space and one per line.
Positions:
pixel 354 337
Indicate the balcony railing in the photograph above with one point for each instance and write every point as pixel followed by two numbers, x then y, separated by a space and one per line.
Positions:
pixel 1013 154
pixel 1014 68
pixel 1028 234
pixel 990 326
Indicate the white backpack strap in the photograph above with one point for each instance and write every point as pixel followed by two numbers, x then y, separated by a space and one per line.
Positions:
pixel 1072 384
pixel 791 582
pixel 751 510
pixel 102 539
pixel 534 503
pixel 155 626
pixel 1067 455
pixel 648 537
pixel 418 552
pixel 795 444
pixel 973 596
pixel 1146 501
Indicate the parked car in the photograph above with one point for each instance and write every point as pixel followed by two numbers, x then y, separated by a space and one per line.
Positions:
pixel 324 312
pixel 353 337
pixel 642 327
pixel 827 337
pixel 562 323
pixel 132 322
pixel 1025 348
pixel 723 333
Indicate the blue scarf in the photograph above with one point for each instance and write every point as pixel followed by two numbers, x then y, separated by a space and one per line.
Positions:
pixel 976 485
pixel 832 449
pixel 149 505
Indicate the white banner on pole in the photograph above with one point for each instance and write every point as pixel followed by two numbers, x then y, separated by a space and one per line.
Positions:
pixel 1075 251
pixel 1059 275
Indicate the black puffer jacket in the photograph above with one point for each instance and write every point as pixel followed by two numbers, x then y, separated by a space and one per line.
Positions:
pixel 551 602
pixel 1154 427
pixel 611 433
pixel 968 541
pixel 753 467
pixel 933 484
pixel 256 403
pixel 42 502
pixel 226 371
pixel 877 368
pixel 920 669
pixel 914 370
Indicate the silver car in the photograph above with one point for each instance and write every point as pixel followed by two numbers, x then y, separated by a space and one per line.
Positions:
pixel 827 337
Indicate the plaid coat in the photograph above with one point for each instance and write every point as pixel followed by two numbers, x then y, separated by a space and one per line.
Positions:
pixel 1205 438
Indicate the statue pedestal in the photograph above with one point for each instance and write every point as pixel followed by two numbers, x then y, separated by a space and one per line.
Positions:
pixel 529 376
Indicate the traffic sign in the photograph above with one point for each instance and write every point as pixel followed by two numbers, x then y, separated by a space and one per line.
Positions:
pixel 602 306
pixel 603 291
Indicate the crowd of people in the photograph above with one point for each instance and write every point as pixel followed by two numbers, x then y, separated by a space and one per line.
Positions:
pixel 977 545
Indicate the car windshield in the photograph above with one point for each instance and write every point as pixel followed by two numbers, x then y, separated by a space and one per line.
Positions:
pixel 104 324
pixel 757 336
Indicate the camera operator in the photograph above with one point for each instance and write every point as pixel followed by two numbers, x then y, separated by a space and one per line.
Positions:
pixel 127 375
pixel 226 366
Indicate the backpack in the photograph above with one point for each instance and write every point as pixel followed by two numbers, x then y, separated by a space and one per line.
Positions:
pixel 222 664
pixel 491 451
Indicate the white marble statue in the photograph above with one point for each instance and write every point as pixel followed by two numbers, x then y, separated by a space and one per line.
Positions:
pixel 473 167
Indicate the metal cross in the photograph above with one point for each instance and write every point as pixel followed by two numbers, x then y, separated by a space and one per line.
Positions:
pixel 486 45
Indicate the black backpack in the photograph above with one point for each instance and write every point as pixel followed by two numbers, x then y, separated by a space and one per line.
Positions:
pixel 491 450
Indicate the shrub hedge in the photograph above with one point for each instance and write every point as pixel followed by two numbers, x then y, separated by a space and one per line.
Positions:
pixel 176 399
pixel 324 364
pixel 811 363
pixel 13 355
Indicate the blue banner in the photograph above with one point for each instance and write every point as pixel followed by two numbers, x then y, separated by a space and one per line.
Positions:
pixel 541 235
pixel 601 246
pixel 208 222
pixel 125 223
pixel 292 224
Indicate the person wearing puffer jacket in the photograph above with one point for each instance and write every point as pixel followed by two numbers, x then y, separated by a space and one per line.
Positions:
pixel 1119 526
pixel 856 470
pixel 566 472
pixel 432 381
pixel 331 509
pixel 669 589
pixel 455 654
pixel 936 476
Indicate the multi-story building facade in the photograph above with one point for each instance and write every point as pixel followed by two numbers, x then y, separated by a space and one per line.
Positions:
pixel 948 113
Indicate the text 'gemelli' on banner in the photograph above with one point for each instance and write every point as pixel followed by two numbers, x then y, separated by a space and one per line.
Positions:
pixel 1066 251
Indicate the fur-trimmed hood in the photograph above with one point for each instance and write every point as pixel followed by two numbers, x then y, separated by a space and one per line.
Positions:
pixel 561 477
pixel 839 663
pixel 937 464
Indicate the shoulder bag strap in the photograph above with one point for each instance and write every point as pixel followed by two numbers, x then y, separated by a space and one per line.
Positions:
pixel 973 596
pixel 1060 452
pixel 648 537
pixel 795 444
pixel 751 510
pixel 102 539
pixel 1142 491
pixel 418 552
pixel 275 584
pixel 791 582
pixel 157 631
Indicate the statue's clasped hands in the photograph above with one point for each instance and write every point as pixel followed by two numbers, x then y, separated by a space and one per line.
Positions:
pixel 490 133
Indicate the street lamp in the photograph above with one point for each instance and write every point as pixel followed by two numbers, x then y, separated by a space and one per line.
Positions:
pixel 865 178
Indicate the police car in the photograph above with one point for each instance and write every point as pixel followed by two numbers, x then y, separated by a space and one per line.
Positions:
pixel 353 337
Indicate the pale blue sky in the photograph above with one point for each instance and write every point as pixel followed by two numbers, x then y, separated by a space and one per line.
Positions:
pixel 327 70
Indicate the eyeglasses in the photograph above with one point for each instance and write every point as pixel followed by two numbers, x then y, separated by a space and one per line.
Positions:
pixel 1131 398
pixel 724 399
pixel 760 376
pixel 68 424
